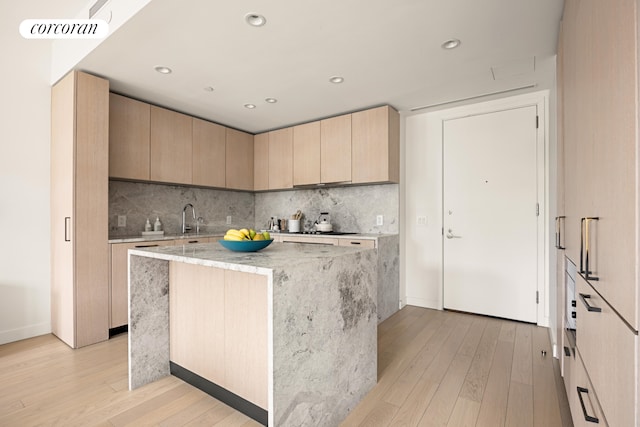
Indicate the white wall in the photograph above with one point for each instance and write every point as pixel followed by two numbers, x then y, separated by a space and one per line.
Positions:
pixel 24 179
pixel 421 195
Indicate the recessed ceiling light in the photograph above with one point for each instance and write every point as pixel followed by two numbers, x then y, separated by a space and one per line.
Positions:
pixel 255 20
pixel 209 89
pixel 451 44
pixel 249 106
pixel 162 69
pixel 271 100
pixel 336 79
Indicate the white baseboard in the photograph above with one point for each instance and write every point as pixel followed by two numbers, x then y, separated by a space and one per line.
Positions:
pixel 424 303
pixel 25 332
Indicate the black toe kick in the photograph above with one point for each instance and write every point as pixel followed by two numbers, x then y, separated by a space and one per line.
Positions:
pixel 220 393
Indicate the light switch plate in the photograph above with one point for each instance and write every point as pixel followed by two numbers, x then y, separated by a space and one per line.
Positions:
pixel 421 220
pixel 229 219
pixel 122 220
pixel 379 220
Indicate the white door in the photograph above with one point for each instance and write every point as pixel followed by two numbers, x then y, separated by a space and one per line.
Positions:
pixel 490 214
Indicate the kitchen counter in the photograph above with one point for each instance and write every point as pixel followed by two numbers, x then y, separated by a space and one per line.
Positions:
pixel 321 329
pixel 140 238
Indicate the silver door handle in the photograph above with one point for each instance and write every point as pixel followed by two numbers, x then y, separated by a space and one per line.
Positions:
pixel 450 235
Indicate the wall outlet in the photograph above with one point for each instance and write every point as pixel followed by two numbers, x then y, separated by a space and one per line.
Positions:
pixel 421 220
pixel 122 220
pixel 379 220
pixel 229 219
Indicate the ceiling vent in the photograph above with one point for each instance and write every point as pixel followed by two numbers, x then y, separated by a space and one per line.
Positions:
pixel 96 7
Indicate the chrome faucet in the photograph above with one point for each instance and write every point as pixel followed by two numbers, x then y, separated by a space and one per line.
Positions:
pixel 185 227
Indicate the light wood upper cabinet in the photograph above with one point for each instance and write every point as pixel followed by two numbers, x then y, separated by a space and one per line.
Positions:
pixel 209 148
pixel 335 149
pixel 306 154
pixel 375 146
pixel 171 146
pixel 281 159
pixel 129 130
pixel 79 209
pixel 239 160
pixel 261 161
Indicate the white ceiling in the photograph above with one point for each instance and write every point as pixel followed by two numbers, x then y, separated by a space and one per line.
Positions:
pixel 388 52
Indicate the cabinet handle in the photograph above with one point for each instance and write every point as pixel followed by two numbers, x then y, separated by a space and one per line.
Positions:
pixel 67 228
pixel 559 225
pixel 567 351
pixel 587 417
pixel 584 298
pixel 355 243
pixel 146 246
pixel 584 247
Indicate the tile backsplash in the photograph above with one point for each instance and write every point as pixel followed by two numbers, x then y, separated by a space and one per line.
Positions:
pixel 351 208
pixel 139 201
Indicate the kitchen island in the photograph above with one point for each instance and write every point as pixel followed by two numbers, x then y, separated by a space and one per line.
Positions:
pixel 286 335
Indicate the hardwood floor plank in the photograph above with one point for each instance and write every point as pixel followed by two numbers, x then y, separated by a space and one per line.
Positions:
pixel 522 371
pixel 411 412
pixel 546 408
pixel 190 413
pixel 443 402
pixel 465 413
pixel 519 405
pixel 381 415
pixel 493 408
pixel 507 332
pixel 476 380
pixel 563 401
pixel 212 416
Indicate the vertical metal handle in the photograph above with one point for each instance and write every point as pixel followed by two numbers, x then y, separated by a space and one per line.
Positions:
pixel 559 225
pixel 567 351
pixel 585 227
pixel 584 298
pixel 67 228
pixel 587 417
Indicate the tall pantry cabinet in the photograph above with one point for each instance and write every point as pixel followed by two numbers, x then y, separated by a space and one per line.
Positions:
pixel 79 211
pixel 598 121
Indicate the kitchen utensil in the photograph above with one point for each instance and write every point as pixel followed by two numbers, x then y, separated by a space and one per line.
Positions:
pixel 294 226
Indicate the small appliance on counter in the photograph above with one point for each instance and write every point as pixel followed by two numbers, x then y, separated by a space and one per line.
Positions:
pixel 323 224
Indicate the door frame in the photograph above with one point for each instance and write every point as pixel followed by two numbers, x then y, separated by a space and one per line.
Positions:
pixel 540 190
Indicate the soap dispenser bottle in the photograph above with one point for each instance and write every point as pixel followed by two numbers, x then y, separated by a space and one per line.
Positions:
pixel 158 225
pixel 147 226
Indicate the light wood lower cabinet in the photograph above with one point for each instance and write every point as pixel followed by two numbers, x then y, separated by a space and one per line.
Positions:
pixel 192 240
pixel 218 327
pixel 79 209
pixel 318 240
pixel 363 243
pixel 608 349
pixel 118 288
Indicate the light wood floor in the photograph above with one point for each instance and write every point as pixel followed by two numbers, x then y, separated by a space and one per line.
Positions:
pixel 435 368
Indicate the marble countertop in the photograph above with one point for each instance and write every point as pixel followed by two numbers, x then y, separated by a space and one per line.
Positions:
pixel 276 256
pixel 133 239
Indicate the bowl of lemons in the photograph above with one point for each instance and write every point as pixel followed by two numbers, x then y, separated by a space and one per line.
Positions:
pixel 245 240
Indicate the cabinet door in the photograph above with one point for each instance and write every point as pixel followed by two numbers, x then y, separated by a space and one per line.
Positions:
pixel 119 289
pixel 261 162
pixel 129 133
pixel 209 154
pixel 614 138
pixel 62 230
pixel 306 154
pixel 281 159
pixel 584 404
pixel 239 160
pixel 335 149
pixel 375 145
pixel 607 347
pixel 171 146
